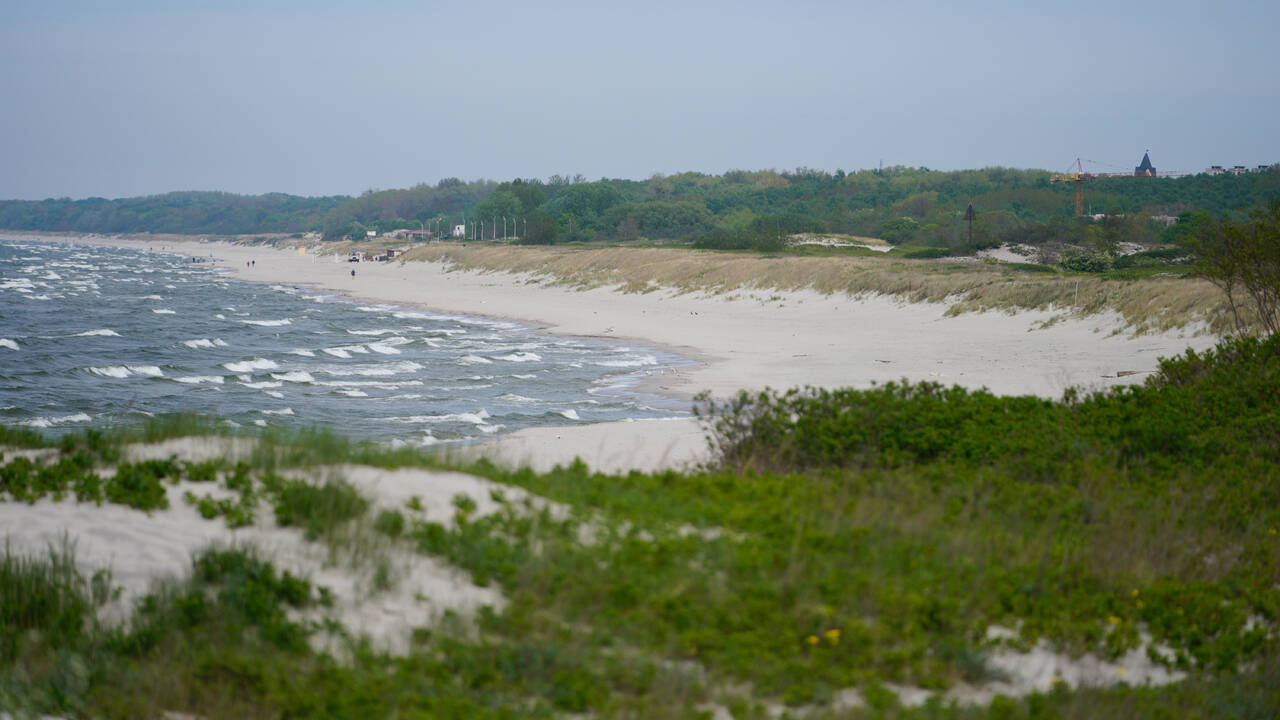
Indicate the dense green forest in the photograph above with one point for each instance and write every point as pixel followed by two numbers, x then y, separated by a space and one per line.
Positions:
pixel 902 205
pixel 906 206
pixel 192 213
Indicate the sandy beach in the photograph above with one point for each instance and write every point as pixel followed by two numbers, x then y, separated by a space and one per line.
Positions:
pixel 740 340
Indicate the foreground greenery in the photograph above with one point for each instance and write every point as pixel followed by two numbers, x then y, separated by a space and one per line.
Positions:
pixel 848 539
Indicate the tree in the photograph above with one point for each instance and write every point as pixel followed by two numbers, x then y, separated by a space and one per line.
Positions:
pixel 501 204
pixel 1242 258
pixel 540 229
pixel 898 230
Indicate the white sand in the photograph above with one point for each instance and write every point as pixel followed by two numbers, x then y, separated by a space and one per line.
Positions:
pixel 742 340
pixel 139 548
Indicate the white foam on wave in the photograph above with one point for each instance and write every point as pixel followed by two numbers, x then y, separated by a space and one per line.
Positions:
pixel 104 332
pixel 520 357
pixel 146 370
pixel 274 394
pixel 263 384
pixel 268 323
pixel 379 384
pixel 164 311
pixel 197 379
pixel 375 333
pixel 383 349
pixel 302 352
pixel 512 397
pixel 245 366
pixel 46 422
pixel 524 377
pixel 379 370
pixel 354 393
pixel 297 376
pixel 285 411
pixel 475 418
pixel 7 343
pixel 204 343
pixel 570 414
pixel 113 371
pixel 474 360
pixel 642 361
pixel 336 352
pixel 152 297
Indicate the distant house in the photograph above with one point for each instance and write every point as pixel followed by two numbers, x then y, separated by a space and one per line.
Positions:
pixel 1239 170
pixel 371 233
pixel 1146 169
pixel 459 230
pixel 419 234
pixel 1214 170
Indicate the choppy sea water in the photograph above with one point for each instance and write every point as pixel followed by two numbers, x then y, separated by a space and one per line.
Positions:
pixel 98 336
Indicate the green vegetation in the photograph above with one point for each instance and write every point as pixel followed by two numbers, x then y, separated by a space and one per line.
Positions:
pixel 906 206
pixel 136 485
pixel 194 213
pixel 847 539
pixel 1242 258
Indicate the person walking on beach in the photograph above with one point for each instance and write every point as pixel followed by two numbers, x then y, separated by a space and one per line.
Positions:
pixel 353 272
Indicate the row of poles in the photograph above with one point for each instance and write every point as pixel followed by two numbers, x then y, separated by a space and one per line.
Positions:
pixel 477 229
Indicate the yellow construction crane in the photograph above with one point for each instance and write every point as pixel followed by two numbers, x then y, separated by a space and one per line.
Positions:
pixel 1078 176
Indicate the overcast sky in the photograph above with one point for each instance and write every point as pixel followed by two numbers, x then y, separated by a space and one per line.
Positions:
pixel 117 98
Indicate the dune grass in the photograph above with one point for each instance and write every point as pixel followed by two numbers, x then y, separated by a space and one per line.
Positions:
pixel 1145 303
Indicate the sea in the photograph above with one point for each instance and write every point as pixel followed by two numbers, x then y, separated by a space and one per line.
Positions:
pixel 97 336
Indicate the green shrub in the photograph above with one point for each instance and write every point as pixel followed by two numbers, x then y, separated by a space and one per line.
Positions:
pixel 389 523
pixel 316 508
pixel 1088 262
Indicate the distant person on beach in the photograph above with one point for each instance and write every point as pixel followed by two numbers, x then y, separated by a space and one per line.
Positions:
pixel 353 272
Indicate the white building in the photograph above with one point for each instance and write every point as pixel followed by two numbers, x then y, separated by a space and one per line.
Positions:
pixel 459 230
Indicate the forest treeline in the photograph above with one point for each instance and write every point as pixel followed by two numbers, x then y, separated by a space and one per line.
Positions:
pixel 187 213
pixel 905 206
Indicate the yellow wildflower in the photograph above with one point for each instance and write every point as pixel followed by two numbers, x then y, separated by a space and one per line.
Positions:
pixel 1121 671
pixel 1134 593
pixel 1113 620
pixel 832 635
pixel 812 639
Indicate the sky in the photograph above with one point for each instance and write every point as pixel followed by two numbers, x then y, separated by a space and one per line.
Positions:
pixel 120 98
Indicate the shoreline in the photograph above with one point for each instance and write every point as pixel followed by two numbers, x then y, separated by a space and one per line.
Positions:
pixel 739 340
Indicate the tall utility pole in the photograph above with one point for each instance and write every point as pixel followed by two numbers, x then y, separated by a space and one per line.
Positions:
pixel 970 215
